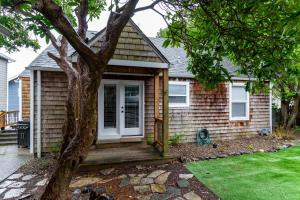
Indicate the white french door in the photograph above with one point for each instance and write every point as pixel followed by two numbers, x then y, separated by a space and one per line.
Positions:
pixel 120 109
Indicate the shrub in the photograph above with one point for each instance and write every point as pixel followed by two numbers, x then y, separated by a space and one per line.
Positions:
pixel 176 139
pixel 282 133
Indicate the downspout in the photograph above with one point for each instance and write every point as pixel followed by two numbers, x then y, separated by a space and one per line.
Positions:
pixel 270 108
pixel 32 111
pixel 39 111
pixel 20 99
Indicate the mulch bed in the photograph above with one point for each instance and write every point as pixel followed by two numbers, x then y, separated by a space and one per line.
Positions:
pixel 190 152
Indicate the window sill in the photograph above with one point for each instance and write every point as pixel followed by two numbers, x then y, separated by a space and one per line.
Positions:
pixel 239 119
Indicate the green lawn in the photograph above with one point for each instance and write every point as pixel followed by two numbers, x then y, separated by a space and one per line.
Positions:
pixel 260 176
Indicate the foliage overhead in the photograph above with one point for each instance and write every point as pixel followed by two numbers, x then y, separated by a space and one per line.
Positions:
pixel 261 37
pixel 26 24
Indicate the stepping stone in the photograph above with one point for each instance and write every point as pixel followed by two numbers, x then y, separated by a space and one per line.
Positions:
pixel 28 177
pixel 108 171
pixel 135 180
pixel 2 190
pixel 186 176
pixel 6 183
pixel 156 188
pixel 132 175
pixel 17 185
pixel 14 193
pixel 141 175
pixel 141 197
pixel 42 182
pixel 34 189
pixel 192 196
pixel 161 179
pixel 124 182
pixel 179 198
pixel 15 176
pixel 139 167
pixel 84 181
pixel 146 181
pixel 183 183
pixel 156 173
pixel 122 176
pixel 158 196
pixel 173 191
pixel 141 188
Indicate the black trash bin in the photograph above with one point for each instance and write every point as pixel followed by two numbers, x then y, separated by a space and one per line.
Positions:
pixel 23 134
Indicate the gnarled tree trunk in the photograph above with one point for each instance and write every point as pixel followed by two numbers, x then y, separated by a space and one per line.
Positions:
pixel 79 133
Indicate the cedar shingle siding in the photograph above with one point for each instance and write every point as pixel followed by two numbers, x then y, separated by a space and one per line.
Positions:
pixel 208 109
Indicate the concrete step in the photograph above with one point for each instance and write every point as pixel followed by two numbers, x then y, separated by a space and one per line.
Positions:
pixel 3 143
pixel 8 135
pixel 15 138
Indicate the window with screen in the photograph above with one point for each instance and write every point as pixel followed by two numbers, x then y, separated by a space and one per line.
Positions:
pixel 178 94
pixel 239 102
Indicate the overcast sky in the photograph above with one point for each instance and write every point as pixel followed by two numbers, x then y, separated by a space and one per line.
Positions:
pixel 148 21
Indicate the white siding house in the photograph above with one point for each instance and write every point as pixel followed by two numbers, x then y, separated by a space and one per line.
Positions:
pixel 3 81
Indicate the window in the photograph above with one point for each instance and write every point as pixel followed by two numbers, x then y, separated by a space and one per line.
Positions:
pixel 179 94
pixel 239 102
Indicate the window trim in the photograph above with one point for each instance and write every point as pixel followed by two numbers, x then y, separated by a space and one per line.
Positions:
pixel 230 103
pixel 187 95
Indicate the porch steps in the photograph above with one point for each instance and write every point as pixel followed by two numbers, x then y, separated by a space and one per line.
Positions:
pixel 8 138
pixel 118 156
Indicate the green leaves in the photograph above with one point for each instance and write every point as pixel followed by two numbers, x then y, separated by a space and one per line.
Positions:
pixel 260 37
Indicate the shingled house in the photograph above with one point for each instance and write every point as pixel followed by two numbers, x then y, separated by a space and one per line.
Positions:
pixel 146 90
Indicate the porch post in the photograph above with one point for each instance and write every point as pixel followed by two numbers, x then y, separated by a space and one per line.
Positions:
pixel 156 104
pixel 165 111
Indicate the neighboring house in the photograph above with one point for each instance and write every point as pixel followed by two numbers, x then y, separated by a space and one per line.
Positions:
pixel 4 60
pixel 19 95
pixel 128 98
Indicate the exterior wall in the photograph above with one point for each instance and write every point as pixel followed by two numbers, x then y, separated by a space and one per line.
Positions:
pixel 208 109
pixel 3 84
pixel 13 95
pixel 25 98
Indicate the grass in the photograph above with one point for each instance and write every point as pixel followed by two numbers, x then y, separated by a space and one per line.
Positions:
pixel 260 176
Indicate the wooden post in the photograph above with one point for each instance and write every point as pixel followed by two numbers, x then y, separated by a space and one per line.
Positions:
pixel 156 105
pixel 165 111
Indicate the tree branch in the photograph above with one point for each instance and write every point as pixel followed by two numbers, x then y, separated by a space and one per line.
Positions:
pixel 151 6
pixel 55 15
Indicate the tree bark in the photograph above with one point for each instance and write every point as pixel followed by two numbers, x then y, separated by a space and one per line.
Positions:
pixel 76 144
pixel 284 112
pixel 294 113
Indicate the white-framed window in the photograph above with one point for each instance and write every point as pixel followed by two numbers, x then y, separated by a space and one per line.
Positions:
pixel 179 94
pixel 238 102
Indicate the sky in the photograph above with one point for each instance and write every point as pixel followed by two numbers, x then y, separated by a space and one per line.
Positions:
pixel 148 21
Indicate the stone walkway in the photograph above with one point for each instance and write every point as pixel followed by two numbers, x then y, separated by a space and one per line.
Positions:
pixel 11 158
pixel 151 186
pixel 19 185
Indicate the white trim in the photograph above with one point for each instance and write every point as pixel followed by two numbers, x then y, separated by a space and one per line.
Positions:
pixel 270 109
pixel 31 112
pixel 39 112
pixel 118 132
pixel 230 103
pixel 20 99
pixel 187 95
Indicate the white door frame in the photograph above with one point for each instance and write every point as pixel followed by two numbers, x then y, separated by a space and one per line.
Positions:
pixel 120 131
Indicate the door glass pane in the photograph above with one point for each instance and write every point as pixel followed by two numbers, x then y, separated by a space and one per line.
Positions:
pixel 110 106
pixel 132 102
pixel 238 109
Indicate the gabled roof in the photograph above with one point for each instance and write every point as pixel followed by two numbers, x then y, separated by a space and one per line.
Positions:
pixel 6 58
pixel 179 61
pixel 43 60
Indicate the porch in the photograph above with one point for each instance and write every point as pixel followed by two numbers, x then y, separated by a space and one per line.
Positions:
pixel 121 123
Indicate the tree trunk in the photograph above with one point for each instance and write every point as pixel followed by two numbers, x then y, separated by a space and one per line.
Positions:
pixel 284 112
pixel 76 142
pixel 295 113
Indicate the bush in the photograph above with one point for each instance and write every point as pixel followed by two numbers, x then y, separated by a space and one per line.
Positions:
pixel 282 133
pixel 176 139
